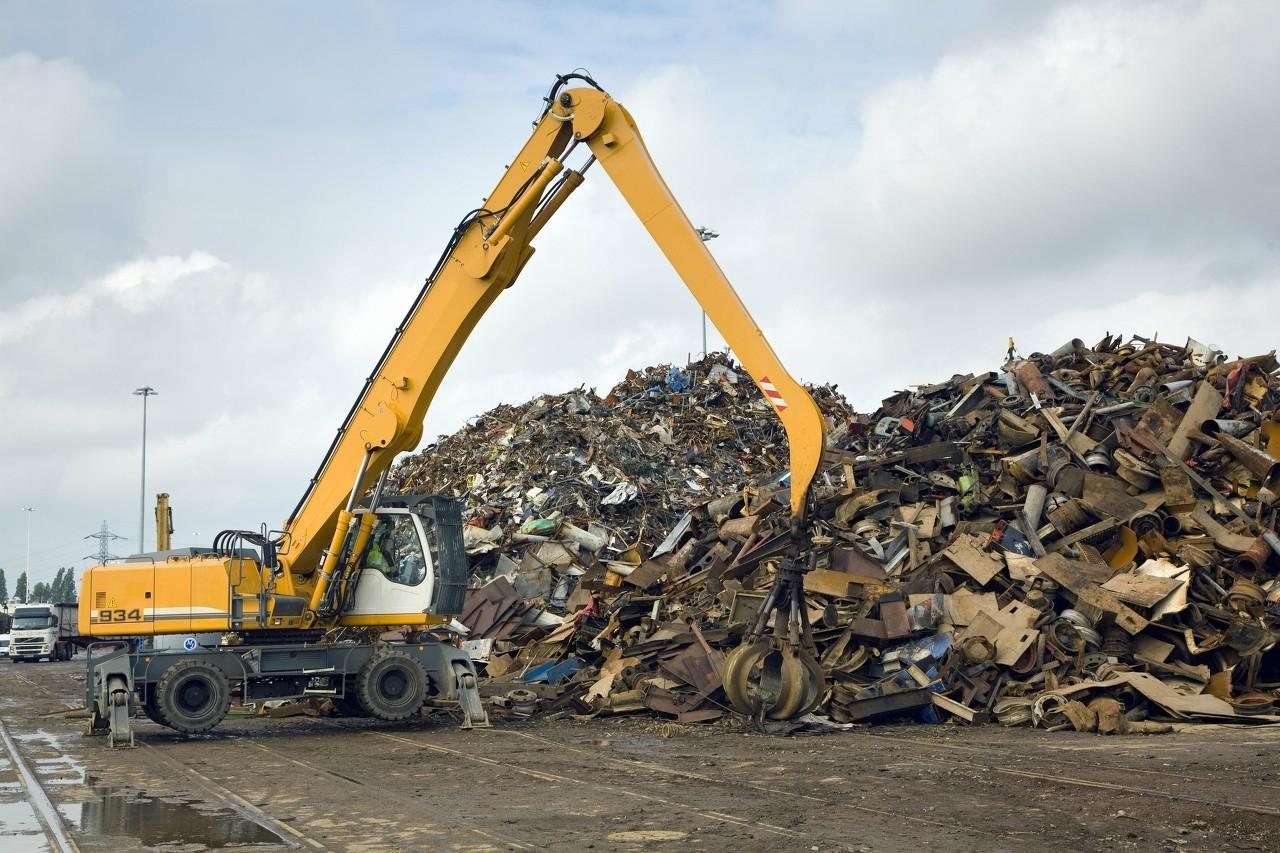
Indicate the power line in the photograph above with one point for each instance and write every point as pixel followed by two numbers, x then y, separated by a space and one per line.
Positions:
pixel 104 537
pixel 49 571
pixel 40 552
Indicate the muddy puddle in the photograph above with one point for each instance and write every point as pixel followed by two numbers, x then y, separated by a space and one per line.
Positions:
pixel 163 823
pixel 93 810
pixel 50 759
pixel 8 777
pixel 20 829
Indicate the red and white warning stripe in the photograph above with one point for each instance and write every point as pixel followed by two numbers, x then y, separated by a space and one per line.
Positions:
pixel 772 393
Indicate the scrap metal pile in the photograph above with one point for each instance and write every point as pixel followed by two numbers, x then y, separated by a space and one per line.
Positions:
pixel 1083 539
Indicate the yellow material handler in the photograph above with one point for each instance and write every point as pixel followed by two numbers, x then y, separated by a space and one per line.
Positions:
pixel 351 555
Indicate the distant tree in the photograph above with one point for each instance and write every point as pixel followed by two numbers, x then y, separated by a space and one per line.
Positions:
pixel 69 594
pixel 40 593
pixel 64 584
pixel 20 588
pixel 55 588
pixel 4 590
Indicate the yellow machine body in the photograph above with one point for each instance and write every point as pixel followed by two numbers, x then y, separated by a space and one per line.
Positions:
pixel 178 596
pixel 189 595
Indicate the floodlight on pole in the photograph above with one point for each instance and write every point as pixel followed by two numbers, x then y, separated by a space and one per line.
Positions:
pixel 705 234
pixel 28 510
pixel 144 392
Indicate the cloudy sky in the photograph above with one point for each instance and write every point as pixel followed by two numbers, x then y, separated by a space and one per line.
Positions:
pixel 234 203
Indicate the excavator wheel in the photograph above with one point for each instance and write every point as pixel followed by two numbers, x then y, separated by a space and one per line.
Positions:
pixel 152 710
pixel 192 697
pixel 391 686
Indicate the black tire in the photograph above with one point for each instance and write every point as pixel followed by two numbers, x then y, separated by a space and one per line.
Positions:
pixel 152 710
pixel 192 697
pixel 391 686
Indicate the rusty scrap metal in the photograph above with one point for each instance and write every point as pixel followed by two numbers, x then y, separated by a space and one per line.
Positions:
pixel 1041 545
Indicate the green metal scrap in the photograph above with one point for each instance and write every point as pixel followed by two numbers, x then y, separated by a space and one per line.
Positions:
pixel 970 484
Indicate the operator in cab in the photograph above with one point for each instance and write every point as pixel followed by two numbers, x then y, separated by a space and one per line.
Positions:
pixel 403 564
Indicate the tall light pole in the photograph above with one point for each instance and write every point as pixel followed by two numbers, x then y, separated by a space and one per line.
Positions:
pixel 28 510
pixel 144 392
pixel 705 234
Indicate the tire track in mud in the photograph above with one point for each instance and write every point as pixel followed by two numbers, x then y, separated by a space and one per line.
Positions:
pixel 611 787
pixel 1103 769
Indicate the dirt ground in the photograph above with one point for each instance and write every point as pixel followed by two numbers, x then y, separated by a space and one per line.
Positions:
pixel 618 784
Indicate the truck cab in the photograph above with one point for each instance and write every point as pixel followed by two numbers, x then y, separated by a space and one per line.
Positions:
pixel 42 631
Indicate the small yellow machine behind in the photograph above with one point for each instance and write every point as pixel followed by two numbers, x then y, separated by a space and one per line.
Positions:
pixel 346 560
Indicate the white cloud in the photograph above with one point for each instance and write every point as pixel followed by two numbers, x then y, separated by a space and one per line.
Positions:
pixel 46 110
pixel 143 283
pixel 29 315
pixel 136 286
pixel 68 193
pixel 1019 182
pixel 1220 312
pixel 1118 124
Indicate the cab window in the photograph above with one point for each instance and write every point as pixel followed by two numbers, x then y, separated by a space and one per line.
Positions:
pixel 395 550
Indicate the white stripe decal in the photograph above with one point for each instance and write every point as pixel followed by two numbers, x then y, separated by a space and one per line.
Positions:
pixel 162 617
pixel 182 611
pixel 772 393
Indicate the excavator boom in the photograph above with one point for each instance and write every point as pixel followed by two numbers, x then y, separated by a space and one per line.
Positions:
pixel 488 250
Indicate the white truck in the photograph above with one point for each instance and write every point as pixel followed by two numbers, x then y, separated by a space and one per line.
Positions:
pixel 43 631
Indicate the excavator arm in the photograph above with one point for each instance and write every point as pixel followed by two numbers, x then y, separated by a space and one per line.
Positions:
pixel 484 256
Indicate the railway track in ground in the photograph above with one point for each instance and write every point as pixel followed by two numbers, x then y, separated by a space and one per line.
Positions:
pixel 41 815
pixel 398 797
pixel 389 754
pixel 29 809
pixel 35 809
pixel 35 685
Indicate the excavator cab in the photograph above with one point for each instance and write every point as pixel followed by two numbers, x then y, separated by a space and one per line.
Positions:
pixel 412 563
